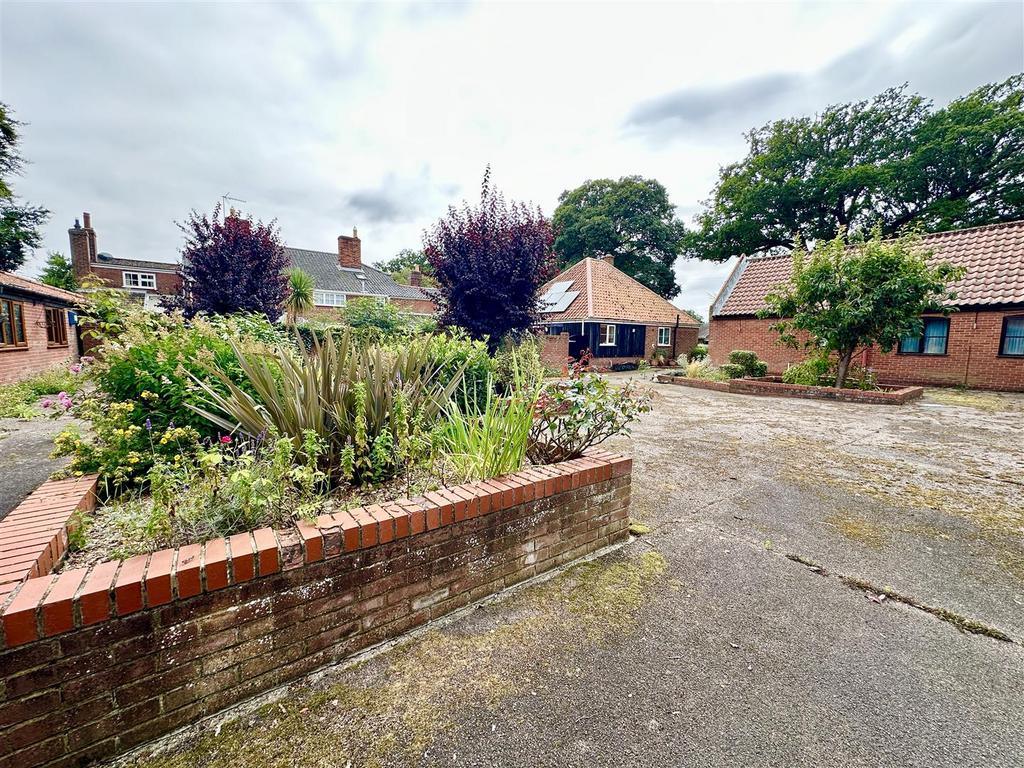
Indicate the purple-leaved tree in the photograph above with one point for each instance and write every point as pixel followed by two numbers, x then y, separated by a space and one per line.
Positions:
pixel 231 264
pixel 488 263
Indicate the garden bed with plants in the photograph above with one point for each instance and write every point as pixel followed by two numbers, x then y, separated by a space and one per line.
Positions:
pixel 206 428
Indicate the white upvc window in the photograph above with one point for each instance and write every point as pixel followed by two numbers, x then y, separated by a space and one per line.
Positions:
pixel 328 298
pixel 139 280
pixel 664 337
pixel 607 335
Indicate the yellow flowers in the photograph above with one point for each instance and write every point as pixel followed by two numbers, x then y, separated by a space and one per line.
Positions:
pixel 148 396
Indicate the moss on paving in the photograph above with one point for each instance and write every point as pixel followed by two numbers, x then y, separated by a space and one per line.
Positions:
pixel 389 709
pixel 990 402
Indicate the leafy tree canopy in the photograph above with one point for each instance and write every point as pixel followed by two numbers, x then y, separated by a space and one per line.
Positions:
pixel 843 298
pixel 19 223
pixel 632 219
pixel 58 272
pixel 890 162
pixel 231 264
pixel 404 262
pixel 489 262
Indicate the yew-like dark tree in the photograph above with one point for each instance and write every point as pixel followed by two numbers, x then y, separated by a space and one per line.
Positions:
pixel 19 222
pixel 488 263
pixel 232 264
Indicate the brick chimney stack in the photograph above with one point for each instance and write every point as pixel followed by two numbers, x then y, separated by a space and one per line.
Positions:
pixel 415 276
pixel 83 246
pixel 608 258
pixel 350 251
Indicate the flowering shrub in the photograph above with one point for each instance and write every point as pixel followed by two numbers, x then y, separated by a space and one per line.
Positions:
pixel 574 415
pixel 19 400
pixel 120 449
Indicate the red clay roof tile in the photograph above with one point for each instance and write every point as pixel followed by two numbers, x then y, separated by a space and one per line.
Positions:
pixel 992 255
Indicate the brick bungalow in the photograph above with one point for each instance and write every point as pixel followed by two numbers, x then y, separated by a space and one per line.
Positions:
pixel 341 277
pixel 594 306
pixel 146 280
pixel 980 345
pixel 36 327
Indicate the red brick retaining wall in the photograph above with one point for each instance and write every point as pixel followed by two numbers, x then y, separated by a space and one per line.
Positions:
pixel 891 396
pixel 97 661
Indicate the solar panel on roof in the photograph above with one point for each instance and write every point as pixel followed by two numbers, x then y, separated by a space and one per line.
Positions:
pixel 562 304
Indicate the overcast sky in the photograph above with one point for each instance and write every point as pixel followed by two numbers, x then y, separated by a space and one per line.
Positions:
pixel 328 116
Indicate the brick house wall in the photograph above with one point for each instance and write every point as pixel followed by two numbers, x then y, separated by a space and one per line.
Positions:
pixel 972 353
pixel 23 362
pixel 415 306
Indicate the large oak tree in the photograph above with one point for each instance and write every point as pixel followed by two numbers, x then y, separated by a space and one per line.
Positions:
pixel 631 219
pixel 890 161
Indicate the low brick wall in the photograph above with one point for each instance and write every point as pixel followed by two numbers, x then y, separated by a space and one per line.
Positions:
pixel 890 396
pixel 34 535
pixel 96 661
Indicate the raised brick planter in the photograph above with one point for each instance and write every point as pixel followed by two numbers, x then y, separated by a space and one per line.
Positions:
pixel 95 661
pixel 765 387
pixel 34 535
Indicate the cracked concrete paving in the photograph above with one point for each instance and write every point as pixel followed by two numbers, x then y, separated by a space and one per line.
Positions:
pixel 729 653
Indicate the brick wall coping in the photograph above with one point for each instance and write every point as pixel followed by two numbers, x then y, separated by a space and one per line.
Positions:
pixel 49 604
pixel 34 535
pixel 765 387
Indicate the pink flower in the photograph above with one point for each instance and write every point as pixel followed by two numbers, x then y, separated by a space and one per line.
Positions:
pixel 47 403
pixel 76 368
pixel 225 439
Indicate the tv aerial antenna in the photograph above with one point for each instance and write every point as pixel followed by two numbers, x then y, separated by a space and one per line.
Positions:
pixel 227 196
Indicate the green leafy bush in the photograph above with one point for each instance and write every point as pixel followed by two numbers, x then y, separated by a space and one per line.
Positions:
pixel 159 371
pixel 732 371
pixel 748 363
pixel 816 370
pixel 453 355
pixel 371 406
pixel 517 364
pixel 573 415
pixel 699 352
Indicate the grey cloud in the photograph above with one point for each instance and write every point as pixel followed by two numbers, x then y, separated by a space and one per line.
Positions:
pixel 961 48
pixel 397 200
pixel 700 106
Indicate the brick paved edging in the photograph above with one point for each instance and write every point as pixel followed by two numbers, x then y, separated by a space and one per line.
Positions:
pixel 96 661
pixel 897 396
pixel 34 535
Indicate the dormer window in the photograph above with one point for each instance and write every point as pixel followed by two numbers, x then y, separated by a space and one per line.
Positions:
pixel 146 280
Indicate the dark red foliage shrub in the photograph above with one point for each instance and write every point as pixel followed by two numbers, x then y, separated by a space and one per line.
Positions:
pixel 231 264
pixel 488 263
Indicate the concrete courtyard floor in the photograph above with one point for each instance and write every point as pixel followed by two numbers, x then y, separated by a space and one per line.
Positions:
pixel 765 619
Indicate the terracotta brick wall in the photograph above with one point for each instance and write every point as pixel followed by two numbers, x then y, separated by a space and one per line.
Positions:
pixel 23 362
pixel 417 306
pixel 971 359
pixel 95 662
pixel 554 351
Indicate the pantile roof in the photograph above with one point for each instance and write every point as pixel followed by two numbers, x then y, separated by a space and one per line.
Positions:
pixel 10 280
pixel 993 257
pixel 607 293
pixel 328 275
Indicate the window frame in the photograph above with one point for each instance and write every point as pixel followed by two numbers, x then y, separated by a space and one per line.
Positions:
pixel 602 335
pixel 126 283
pixel 56 329
pixel 1002 338
pixel 668 336
pixel 14 345
pixel 922 340
pixel 319 294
